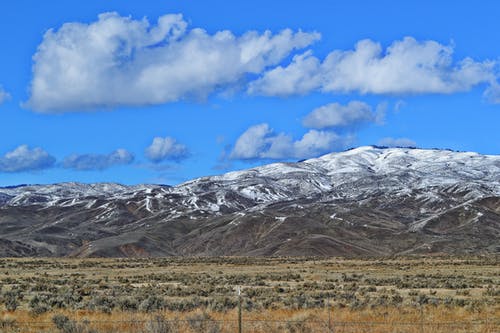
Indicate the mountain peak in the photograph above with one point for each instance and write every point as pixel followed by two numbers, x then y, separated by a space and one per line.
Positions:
pixel 364 201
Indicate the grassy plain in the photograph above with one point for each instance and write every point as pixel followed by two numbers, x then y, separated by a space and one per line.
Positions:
pixel 411 294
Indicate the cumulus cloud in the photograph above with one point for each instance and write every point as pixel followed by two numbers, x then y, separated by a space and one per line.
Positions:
pixel 335 115
pixel 492 94
pixel 301 76
pixel 261 142
pixel 406 67
pixel 397 142
pixel 121 61
pixel 85 162
pixel 167 148
pixel 3 95
pixel 24 158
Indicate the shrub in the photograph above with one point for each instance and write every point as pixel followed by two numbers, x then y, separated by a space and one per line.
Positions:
pixel 151 304
pixel 160 325
pixel 102 303
pixel 203 323
pixel 66 325
pixel 7 322
pixel 299 323
pixel 38 305
pixel 10 299
pixel 127 303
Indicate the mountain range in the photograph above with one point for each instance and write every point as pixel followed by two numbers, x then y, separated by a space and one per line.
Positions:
pixel 367 201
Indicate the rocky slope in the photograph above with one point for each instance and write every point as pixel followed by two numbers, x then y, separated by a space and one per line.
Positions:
pixel 367 201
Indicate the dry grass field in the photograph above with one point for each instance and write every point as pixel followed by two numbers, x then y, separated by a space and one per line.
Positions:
pixel 413 294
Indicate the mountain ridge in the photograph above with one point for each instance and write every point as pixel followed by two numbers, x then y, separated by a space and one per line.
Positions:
pixel 364 201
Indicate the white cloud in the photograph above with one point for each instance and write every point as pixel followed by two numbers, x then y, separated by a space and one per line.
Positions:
pixel 120 61
pixel 406 67
pixel 24 158
pixel 298 78
pixel 166 149
pixel 261 142
pixel 399 105
pixel 3 95
pixel 315 143
pixel 492 94
pixel 335 115
pixel 97 161
pixel 397 142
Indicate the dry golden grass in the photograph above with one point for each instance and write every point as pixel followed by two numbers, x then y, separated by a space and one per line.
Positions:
pixel 278 295
pixel 435 319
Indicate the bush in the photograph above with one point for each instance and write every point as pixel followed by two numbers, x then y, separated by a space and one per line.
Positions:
pixel 299 323
pixel 160 325
pixel 127 303
pixel 38 305
pixel 203 323
pixel 151 304
pixel 66 325
pixel 7 322
pixel 10 299
pixel 102 303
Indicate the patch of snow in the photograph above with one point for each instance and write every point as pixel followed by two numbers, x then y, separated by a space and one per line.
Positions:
pixel 213 207
pixel 148 204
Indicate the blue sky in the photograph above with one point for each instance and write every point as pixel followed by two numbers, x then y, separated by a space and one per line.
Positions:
pixel 165 91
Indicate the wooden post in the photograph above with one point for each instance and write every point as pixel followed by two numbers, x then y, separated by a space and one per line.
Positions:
pixel 239 310
pixel 487 322
pixel 330 329
pixel 422 329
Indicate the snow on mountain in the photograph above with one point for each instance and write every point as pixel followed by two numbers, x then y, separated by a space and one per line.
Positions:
pixel 402 169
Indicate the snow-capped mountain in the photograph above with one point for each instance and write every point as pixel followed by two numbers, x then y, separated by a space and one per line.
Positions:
pixel 365 201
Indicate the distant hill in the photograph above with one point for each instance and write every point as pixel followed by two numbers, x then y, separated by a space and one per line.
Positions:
pixel 368 201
